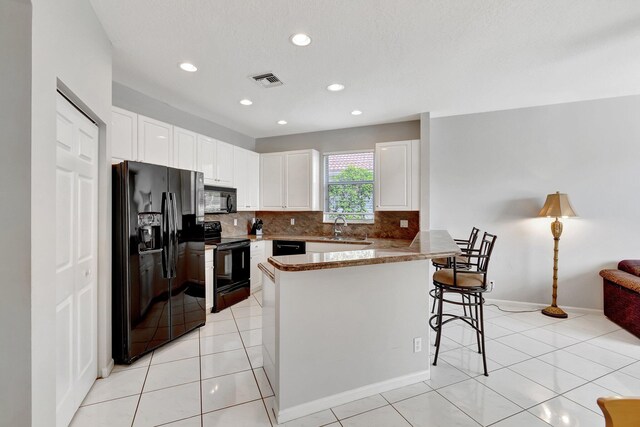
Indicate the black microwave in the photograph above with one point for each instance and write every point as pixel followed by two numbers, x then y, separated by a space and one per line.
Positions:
pixel 219 200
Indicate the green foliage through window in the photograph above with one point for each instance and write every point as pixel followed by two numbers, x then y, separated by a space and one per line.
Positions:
pixel 349 186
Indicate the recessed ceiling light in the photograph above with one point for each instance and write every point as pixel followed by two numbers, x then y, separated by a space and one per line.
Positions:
pixel 356 112
pixel 335 87
pixel 246 101
pixel 300 39
pixel 282 122
pixel 187 66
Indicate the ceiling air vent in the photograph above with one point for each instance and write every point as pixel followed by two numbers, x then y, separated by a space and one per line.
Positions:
pixel 267 80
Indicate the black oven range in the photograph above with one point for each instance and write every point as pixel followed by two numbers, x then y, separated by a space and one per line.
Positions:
pixel 231 267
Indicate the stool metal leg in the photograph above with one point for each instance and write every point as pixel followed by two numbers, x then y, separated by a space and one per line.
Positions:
pixel 477 321
pixel 439 334
pixel 484 352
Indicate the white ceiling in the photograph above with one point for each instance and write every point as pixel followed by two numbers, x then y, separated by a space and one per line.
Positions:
pixel 397 58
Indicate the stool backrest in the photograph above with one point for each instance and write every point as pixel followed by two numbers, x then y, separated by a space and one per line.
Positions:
pixel 485 250
pixel 473 237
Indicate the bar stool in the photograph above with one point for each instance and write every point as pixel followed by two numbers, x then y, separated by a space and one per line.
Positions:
pixel 470 284
pixel 461 260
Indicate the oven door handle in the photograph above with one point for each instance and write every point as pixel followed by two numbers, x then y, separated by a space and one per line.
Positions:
pixel 233 246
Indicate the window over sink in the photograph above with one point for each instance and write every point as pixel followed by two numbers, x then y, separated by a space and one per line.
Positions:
pixel 348 186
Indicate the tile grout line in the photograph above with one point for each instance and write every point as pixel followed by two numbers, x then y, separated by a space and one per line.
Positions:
pixel 264 404
pixel 135 413
pixel 396 409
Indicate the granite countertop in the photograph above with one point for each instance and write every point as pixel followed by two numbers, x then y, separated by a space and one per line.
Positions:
pixel 426 245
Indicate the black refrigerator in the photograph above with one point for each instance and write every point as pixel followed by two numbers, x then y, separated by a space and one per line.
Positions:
pixel 158 257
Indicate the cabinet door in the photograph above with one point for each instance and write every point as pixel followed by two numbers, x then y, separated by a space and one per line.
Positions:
pixel 207 159
pixel 252 181
pixel 208 278
pixel 184 149
pixel 257 256
pixel 155 141
pixel 393 176
pixel 298 181
pixel 124 135
pixel 272 181
pixel 224 164
pixel 240 170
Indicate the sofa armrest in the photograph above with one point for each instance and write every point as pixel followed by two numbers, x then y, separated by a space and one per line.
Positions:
pixel 622 278
pixel 631 266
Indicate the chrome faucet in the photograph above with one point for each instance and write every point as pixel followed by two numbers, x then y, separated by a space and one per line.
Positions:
pixel 337 232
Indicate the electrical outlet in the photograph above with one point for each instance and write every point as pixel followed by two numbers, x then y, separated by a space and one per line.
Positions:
pixel 404 223
pixel 492 284
pixel 293 221
pixel 417 345
pixel 235 222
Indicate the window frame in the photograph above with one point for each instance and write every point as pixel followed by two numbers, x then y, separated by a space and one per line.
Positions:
pixel 325 186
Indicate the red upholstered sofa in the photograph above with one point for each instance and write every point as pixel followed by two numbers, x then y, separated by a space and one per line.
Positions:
pixel 622 295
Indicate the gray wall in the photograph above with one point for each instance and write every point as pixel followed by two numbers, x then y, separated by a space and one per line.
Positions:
pixel 15 215
pixel 494 170
pixel 132 100
pixel 357 138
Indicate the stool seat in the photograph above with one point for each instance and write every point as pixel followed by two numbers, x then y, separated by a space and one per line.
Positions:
pixel 464 280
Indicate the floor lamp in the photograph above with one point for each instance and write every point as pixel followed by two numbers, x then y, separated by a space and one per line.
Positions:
pixel 557 205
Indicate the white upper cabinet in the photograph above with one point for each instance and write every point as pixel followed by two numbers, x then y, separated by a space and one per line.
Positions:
pixel 301 180
pixel 185 149
pixel 397 176
pixel 224 164
pixel 272 181
pixel 246 178
pixel 215 160
pixel 124 135
pixel 207 158
pixel 155 141
pixel 253 181
pixel 290 180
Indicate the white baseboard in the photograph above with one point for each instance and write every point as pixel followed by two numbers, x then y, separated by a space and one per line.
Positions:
pixel 106 371
pixel 541 306
pixel 346 397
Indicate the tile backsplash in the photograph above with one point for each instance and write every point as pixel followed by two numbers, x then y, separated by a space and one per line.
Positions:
pixel 385 225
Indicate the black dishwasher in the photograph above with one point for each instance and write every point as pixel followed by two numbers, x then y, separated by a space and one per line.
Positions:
pixel 289 247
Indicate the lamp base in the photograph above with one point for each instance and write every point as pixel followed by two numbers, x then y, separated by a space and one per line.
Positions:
pixel 554 311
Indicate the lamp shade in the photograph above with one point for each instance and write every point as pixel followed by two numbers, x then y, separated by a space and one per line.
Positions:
pixel 557 205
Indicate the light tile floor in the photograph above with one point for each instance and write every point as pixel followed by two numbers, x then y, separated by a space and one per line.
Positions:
pixel 543 371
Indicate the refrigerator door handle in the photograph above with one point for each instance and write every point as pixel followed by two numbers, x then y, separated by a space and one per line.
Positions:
pixel 166 256
pixel 174 212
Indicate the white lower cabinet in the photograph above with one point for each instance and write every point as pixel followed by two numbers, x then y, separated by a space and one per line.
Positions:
pixel 208 278
pixel 258 255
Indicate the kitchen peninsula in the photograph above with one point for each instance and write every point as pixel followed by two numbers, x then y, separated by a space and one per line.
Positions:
pixel 340 326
